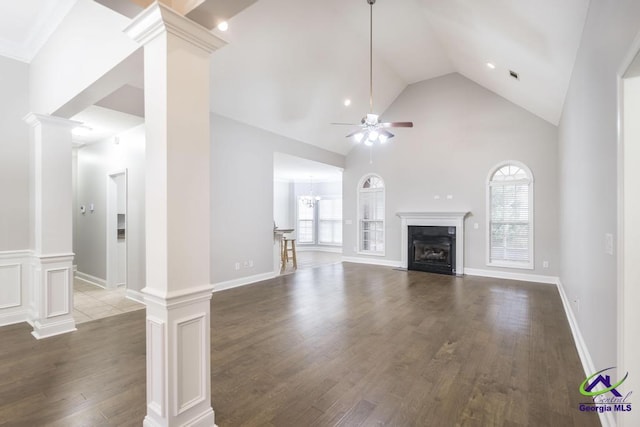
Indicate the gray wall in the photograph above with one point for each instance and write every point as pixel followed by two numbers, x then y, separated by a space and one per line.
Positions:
pixel 587 173
pixel 242 194
pixel 14 155
pixel 461 132
pixel 95 163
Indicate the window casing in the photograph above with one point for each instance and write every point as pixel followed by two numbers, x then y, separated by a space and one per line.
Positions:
pixel 330 221
pixel 510 216
pixel 306 223
pixel 320 224
pixel 371 216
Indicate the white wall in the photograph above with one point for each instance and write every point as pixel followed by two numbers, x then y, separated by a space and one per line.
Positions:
pixel 283 204
pixel 242 194
pixel 461 132
pixel 14 155
pixel 95 163
pixel 587 174
pixel 88 43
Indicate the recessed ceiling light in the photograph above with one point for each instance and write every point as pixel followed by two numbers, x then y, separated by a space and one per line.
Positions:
pixel 491 65
pixel 223 26
pixel 347 102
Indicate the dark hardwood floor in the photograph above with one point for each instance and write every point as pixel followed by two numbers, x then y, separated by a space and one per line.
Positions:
pixel 341 344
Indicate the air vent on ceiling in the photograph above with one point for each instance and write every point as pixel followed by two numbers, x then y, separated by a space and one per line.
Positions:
pixel 514 74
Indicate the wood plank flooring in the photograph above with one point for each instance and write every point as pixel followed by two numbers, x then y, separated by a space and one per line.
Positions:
pixel 338 345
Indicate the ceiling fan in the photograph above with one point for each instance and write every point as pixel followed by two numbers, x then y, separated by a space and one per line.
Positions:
pixel 370 128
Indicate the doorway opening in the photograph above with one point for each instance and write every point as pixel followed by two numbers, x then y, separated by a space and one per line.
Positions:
pixel 117 229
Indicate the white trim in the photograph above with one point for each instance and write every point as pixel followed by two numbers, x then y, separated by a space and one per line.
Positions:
pixel 523 277
pixel 314 248
pixel 19 310
pixel 136 296
pixel 530 265
pixel 623 315
pixel 606 419
pixel 242 281
pixel 93 280
pixel 372 261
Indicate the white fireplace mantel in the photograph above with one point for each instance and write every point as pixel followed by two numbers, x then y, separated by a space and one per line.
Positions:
pixel 441 219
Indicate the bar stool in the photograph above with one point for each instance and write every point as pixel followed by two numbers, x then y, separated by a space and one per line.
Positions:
pixel 288 252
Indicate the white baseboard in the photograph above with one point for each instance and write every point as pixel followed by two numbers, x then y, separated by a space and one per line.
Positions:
pixel 91 279
pixel 134 295
pixel 373 261
pixel 330 249
pixel 606 418
pixel 523 277
pixel 242 281
pixel 13 317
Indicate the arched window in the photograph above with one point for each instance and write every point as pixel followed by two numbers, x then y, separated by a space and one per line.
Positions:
pixel 510 216
pixel 371 215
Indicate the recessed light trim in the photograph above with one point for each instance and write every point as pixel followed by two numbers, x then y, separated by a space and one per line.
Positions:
pixel 491 65
pixel 223 26
pixel 347 102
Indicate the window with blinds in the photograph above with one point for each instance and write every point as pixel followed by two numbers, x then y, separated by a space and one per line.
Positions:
pixel 330 221
pixel 510 228
pixel 371 215
pixel 305 232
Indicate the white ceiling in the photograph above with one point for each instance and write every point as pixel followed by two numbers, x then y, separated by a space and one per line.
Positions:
pixel 101 123
pixel 25 25
pixel 297 169
pixel 291 63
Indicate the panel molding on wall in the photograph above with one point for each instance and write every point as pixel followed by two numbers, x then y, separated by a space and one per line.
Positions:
pixel 189 368
pixel 14 287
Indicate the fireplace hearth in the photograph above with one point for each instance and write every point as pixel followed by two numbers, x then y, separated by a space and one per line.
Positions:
pixel 432 249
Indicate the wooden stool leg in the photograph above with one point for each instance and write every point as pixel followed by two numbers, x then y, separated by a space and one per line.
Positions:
pixel 283 260
pixel 293 253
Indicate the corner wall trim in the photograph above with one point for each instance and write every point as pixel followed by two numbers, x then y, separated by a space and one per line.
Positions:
pixel 91 279
pixel 524 277
pixel 242 281
pixel 606 419
pixel 373 261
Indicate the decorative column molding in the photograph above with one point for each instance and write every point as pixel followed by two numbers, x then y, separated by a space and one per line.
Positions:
pixel 178 290
pixel 51 277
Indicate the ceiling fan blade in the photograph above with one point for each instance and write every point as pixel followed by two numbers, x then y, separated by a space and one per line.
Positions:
pixel 345 124
pixel 386 133
pixel 397 125
pixel 354 132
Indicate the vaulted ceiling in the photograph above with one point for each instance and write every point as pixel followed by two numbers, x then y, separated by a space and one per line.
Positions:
pixel 290 64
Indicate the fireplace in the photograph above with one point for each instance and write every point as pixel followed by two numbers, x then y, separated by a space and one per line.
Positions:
pixel 432 249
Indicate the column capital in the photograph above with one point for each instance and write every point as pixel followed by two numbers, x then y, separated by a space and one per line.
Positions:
pixel 158 19
pixel 34 119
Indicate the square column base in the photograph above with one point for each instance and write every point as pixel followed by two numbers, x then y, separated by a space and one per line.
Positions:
pixel 51 295
pixel 179 358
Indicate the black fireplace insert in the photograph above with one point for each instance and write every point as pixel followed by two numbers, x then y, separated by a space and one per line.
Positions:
pixel 432 249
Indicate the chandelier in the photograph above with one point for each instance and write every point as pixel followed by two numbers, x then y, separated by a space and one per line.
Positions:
pixel 310 200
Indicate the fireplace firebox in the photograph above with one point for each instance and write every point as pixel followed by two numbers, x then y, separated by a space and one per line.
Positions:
pixel 432 249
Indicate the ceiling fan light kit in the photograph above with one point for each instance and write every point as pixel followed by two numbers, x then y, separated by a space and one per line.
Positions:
pixel 371 129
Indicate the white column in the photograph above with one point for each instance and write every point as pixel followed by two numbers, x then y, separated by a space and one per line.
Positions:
pixel 178 290
pixel 51 278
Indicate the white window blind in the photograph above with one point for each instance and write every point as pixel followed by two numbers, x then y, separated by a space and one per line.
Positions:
pixel 510 217
pixel 305 231
pixel 330 221
pixel 371 215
